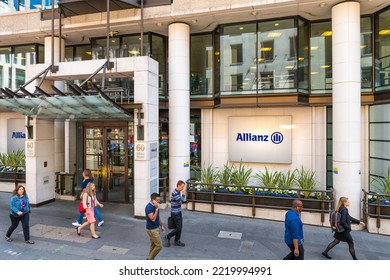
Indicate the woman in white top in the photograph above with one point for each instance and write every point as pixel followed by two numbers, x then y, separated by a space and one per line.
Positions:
pixel 89 201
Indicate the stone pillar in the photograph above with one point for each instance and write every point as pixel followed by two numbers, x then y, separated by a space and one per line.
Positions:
pixel 70 147
pixel 346 103
pixel 179 103
pixel 59 146
pixel 146 120
pixel 40 165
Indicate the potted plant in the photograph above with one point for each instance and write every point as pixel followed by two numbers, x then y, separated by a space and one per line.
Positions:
pixel 380 204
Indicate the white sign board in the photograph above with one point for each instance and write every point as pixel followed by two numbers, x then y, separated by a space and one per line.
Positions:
pixel 265 139
pixel 141 150
pixel 30 148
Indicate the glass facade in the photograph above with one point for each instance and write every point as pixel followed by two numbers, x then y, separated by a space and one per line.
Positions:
pixel 13 63
pixel 201 84
pixel 379 143
pixel 7 6
pixel 366 54
pixel 321 57
pixel 303 56
pixel 382 51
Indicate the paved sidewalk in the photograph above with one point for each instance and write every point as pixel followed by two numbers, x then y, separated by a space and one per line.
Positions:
pixel 207 236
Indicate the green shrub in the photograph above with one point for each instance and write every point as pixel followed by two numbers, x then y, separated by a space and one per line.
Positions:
pixel 306 180
pixel 268 179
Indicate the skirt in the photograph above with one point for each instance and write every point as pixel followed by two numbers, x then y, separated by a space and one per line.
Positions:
pixel 90 214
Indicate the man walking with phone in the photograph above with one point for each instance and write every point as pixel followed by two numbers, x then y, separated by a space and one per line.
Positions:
pixel 177 199
pixel 153 225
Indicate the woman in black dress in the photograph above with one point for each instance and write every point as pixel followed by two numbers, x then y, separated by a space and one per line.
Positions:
pixel 345 222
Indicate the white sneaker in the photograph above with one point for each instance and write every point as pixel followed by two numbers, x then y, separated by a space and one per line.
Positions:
pixel 100 223
pixel 76 224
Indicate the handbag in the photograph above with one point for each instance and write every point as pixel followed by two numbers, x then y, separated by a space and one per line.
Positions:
pixel 81 207
pixel 171 223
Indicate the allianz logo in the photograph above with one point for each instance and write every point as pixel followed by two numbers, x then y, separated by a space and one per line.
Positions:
pixel 275 137
pixel 18 135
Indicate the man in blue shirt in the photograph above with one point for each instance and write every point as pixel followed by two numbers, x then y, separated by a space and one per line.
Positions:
pixel 177 199
pixel 153 225
pixel 293 233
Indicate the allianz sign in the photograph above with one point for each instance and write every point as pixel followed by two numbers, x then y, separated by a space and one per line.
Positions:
pixel 18 135
pixel 265 139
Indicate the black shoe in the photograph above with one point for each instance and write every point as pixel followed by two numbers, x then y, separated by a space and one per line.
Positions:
pixel 179 243
pixel 167 241
pixel 326 255
pixel 95 237
pixel 77 230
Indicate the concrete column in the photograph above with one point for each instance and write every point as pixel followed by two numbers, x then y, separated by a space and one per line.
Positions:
pixel 145 148
pixel 346 103
pixel 48 50
pixel 40 177
pixel 179 103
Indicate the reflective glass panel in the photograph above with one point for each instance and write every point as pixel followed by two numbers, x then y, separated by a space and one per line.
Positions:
pixel 321 57
pixel 382 48
pixel 201 80
pixel 277 56
pixel 366 54
pixel 238 59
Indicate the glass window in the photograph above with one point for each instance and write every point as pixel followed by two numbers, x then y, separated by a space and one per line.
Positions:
pixel 237 59
pixel 379 142
pixel 69 53
pixel 5 58
pixel 366 53
pixel 202 65
pixel 22 57
pixel 41 54
pixel 159 53
pixel 83 53
pixel 99 47
pixel 277 50
pixel 131 46
pixel 321 57
pixel 329 148
pixel 303 56
pixel 382 51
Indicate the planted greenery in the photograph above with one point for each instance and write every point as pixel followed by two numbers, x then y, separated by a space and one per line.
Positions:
pixel 268 178
pixel 306 180
pixel 383 183
pixel 14 161
pixel 225 175
pixel 287 179
pixel 209 176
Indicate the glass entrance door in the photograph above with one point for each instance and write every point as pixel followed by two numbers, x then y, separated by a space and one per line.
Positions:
pixel 107 155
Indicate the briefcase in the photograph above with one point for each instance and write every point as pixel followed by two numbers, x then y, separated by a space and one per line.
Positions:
pixel 171 223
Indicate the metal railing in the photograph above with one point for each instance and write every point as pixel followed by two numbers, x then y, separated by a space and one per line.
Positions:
pixel 65 183
pixel 321 201
pixel 13 173
pixel 376 205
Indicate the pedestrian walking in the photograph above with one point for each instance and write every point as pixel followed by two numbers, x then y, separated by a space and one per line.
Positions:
pixel 153 225
pixel 345 222
pixel 177 198
pixel 19 212
pixel 89 201
pixel 293 233
pixel 88 177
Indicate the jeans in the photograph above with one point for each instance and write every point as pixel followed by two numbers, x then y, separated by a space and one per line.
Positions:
pixel 97 212
pixel 25 219
pixel 155 242
pixel 179 226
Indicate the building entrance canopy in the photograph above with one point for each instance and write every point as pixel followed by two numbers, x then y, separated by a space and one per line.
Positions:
pixel 67 107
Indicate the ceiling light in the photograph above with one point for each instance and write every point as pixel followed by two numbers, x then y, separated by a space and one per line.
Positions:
pixel 241 28
pixel 384 32
pixel 194 21
pixel 325 66
pixel 159 24
pixel 322 4
pixel 363 46
pixel 266 49
pixel 276 24
pixel 289 67
pixel 301 58
pixel 254 13
pixel 314 48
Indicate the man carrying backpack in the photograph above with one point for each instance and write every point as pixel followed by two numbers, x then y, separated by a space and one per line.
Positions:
pixel 293 233
pixel 344 233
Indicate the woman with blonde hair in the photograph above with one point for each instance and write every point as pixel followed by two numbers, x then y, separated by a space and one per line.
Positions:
pixel 89 201
pixel 345 222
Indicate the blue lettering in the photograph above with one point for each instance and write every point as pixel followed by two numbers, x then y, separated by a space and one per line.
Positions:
pixel 18 135
pixel 265 138
pixel 239 137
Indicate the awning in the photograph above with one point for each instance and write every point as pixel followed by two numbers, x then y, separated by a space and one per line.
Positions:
pixel 67 107
pixel 82 7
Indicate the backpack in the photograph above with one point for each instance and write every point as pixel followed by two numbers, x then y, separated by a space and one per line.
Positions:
pixel 334 219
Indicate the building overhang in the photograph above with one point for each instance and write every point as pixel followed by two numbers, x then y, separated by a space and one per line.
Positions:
pixel 67 107
pixel 81 7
